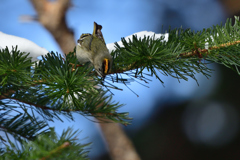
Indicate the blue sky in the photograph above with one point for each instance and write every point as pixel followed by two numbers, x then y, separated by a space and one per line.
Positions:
pixel 120 19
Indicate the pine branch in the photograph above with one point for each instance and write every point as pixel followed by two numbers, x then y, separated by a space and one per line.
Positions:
pixel 14 69
pixel 155 56
pixel 22 126
pixel 181 56
pixel 18 124
pixel 55 87
pixel 48 146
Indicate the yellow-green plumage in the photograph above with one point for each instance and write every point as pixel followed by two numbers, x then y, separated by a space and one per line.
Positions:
pixel 92 47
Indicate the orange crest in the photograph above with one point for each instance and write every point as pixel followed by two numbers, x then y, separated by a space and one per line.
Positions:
pixel 106 65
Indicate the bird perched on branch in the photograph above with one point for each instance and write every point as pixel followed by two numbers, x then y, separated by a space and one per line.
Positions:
pixel 92 47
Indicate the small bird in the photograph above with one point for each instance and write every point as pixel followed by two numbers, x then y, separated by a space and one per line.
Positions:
pixel 92 47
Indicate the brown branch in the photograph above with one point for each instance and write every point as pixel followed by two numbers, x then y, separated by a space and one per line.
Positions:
pixel 120 147
pixel 199 51
pixel 64 145
pixel 51 14
pixel 195 52
pixel 6 94
pixel 99 114
pixel 7 130
pixel 231 6
pixel 225 45
pixel 30 103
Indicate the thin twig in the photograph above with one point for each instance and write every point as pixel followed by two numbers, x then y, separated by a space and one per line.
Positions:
pixel 199 50
pixel 58 149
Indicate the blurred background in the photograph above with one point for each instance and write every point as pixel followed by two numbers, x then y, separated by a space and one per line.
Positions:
pixel 174 121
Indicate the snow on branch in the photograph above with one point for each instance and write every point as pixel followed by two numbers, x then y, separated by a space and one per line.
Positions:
pixel 22 44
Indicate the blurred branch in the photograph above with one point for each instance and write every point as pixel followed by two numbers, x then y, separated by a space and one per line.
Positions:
pixel 232 6
pixel 51 14
pixel 120 147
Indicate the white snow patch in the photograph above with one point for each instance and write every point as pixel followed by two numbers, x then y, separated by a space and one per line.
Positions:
pixel 24 45
pixel 111 46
